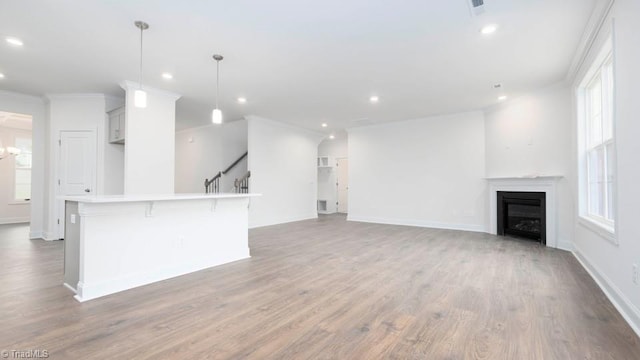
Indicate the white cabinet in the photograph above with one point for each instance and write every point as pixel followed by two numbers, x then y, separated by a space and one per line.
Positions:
pixel 117 122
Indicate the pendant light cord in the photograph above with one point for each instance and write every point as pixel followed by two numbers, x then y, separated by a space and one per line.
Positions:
pixel 217 82
pixel 141 30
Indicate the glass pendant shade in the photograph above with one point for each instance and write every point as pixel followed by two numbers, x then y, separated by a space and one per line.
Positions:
pixel 140 96
pixel 13 150
pixel 216 116
pixel 140 99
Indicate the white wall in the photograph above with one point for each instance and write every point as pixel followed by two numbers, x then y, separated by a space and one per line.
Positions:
pixel 336 148
pixel 282 161
pixel 327 177
pixel 531 135
pixel 149 153
pixel 24 104
pixel 611 264
pixel 197 158
pixel 68 112
pixel 425 172
pixel 10 210
pixel 234 144
pixel 203 151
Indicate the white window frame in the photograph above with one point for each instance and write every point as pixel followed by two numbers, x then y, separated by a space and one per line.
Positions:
pixel 604 227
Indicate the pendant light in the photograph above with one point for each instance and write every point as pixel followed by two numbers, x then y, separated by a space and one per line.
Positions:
pixel 216 115
pixel 140 96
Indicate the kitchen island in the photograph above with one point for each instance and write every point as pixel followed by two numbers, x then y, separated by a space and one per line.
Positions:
pixel 115 243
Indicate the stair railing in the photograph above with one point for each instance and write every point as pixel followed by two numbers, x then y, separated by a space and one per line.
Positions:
pixel 224 172
pixel 241 185
pixel 213 186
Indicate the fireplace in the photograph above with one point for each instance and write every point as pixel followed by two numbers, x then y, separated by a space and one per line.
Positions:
pixel 522 214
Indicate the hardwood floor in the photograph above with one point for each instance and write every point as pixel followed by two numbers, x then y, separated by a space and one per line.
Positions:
pixel 325 289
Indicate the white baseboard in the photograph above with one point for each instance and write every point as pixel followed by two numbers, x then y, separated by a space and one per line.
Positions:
pixel 50 236
pixel 89 291
pixel 283 221
pixel 69 287
pixel 418 223
pixel 14 220
pixel 36 235
pixel 628 311
pixel 564 245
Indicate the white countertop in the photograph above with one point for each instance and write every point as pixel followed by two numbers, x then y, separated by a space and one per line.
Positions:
pixel 525 177
pixel 152 197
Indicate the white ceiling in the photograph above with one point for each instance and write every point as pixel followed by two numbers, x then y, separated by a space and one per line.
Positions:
pixel 303 62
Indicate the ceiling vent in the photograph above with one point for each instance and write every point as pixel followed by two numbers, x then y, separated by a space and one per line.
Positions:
pixel 476 7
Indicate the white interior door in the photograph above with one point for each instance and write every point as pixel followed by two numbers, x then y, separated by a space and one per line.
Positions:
pixel 343 185
pixel 77 167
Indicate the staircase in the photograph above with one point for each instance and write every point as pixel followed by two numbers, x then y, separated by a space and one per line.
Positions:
pixel 241 185
pixel 213 186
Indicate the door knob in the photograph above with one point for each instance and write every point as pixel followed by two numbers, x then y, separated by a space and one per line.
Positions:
pixel 87 190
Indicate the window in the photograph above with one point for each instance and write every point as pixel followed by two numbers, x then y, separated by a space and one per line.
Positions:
pixel 22 188
pixel 597 141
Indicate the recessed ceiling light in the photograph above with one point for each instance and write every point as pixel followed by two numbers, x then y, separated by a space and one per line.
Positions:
pixel 167 76
pixel 242 100
pixel 502 97
pixel 1 76
pixel 374 99
pixel 324 125
pixel 14 41
pixel 489 29
pixel 332 136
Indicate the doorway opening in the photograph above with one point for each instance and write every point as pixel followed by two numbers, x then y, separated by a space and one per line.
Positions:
pixel 16 159
pixel 333 174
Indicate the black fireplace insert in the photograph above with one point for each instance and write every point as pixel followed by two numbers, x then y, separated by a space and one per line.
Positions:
pixel 522 214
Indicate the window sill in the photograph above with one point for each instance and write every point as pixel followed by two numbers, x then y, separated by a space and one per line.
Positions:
pixel 602 230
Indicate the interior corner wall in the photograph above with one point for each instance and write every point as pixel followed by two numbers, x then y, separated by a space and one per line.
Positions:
pixel 35 106
pixel 425 172
pixel 234 144
pixel 282 161
pixel 202 152
pixel 531 135
pixel 612 264
pixel 197 158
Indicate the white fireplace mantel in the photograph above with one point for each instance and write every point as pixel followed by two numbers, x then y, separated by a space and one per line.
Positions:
pixel 546 184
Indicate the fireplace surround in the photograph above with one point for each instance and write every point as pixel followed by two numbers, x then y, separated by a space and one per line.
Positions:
pixel 544 184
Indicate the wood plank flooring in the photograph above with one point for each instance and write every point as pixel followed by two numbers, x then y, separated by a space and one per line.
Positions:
pixel 325 289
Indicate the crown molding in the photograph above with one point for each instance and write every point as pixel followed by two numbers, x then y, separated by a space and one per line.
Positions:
pixel 74 96
pixel 314 134
pixel 134 85
pixel 30 98
pixel 589 36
